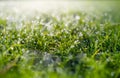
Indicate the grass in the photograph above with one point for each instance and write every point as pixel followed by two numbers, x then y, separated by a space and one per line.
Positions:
pixel 65 45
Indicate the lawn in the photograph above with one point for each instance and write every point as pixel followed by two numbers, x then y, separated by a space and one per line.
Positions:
pixel 63 44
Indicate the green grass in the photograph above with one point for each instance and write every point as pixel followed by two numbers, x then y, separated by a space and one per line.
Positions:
pixel 75 44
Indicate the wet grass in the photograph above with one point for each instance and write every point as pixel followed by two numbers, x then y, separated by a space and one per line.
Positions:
pixel 61 45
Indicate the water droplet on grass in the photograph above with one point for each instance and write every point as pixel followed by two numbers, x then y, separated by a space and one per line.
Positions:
pixel 77 17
